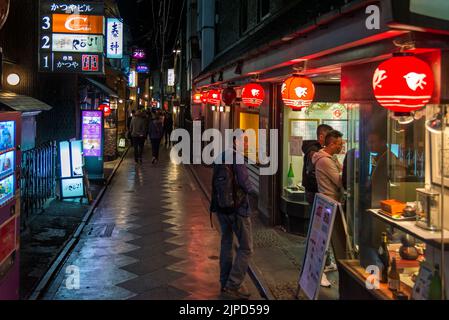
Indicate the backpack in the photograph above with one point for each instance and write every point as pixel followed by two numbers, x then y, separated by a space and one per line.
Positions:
pixel 309 179
pixel 223 189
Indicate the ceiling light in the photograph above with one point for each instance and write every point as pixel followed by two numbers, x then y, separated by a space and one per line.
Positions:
pixel 13 79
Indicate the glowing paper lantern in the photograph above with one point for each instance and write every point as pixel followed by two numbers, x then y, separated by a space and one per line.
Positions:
pixel 253 95
pixel 298 92
pixel 197 98
pixel 106 109
pixel 228 96
pixel 403 83
pixel 214 97
pixel 204 96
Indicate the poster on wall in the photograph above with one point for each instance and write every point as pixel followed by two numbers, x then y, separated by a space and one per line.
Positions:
pixel 92 131
pixel 296 146
pixel 439 157
pixel 318 240
pixel 304 128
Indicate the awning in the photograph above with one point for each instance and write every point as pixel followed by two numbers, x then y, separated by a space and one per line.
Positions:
pixel 103 88
pixel 22 103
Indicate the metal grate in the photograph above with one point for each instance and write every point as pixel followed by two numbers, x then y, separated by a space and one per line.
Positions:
pixel 101 230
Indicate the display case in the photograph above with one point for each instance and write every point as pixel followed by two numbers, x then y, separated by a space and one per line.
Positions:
pixel 401 183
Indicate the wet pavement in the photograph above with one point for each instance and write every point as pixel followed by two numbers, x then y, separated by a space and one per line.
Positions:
pixel 149 238
pixel 47 233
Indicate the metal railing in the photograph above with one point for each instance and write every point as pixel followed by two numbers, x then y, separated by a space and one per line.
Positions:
pixel 37 179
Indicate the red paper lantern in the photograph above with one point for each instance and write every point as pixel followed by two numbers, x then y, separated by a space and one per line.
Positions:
pixel 106 109
pixel 403 83
pixel 228 96
pixel 214 97
pixel 298 92
pixel 197 98
pixel 253 95
pixel 204 96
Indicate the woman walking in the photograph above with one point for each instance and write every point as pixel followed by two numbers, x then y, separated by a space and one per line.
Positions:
pixel 156 132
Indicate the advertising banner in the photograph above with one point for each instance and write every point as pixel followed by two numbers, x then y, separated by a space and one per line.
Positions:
pixel 75 23
pixel 77 43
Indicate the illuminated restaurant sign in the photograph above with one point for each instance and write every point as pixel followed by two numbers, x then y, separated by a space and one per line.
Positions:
pixel 114 39
pixel 77 43
pixel 139 54
pixel 92 130
pixel 71 37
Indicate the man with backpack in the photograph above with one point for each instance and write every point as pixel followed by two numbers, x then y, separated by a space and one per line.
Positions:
pixel 230 189
pixel 309 148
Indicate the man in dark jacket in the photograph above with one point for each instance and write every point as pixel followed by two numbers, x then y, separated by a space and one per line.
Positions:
pixel 309 147
pixel 139 131
pixel 232 273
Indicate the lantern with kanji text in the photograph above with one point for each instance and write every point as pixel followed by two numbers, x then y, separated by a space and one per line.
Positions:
pixel 403 83
pixel 298 92
pixel 253 95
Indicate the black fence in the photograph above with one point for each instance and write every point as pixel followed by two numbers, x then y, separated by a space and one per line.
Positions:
pixel 37 180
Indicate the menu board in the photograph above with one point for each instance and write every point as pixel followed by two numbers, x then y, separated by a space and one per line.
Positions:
pixel 320 231
pixel 92 130
pixel 304 128
pixel 7 134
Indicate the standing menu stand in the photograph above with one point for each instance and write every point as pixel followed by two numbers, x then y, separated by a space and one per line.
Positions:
pixel 327 225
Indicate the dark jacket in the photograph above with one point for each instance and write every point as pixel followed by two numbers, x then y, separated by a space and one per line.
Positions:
pixel 309 147
pixel 156 129
pixel 242 178
pixel 139 126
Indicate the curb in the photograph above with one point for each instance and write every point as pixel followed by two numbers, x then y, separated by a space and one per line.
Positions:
pixel 253 271
pixel 73 240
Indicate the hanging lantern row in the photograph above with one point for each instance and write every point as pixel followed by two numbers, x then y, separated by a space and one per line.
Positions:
pixel 403 83
pixel 253 95
pixel 298 92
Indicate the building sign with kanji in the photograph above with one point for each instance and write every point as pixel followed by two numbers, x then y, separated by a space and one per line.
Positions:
pixel 114 39
pixel 71 37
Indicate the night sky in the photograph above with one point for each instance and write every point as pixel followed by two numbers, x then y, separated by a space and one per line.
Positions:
pixel 145 20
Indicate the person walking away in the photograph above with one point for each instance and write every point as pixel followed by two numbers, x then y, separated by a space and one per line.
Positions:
pixel 168 127
pixel 156 132
pixel 230 202
pixel 328 176
pixel 309 148
pixel 139 131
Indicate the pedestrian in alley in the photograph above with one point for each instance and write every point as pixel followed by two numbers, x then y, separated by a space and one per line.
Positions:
pixel 329 181
pixel 139 131
pixel 230 189
pixel 168 128
pixel 156 133
pixel 309 148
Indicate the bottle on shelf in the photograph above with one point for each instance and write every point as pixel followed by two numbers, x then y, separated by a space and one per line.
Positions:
pixel 435 290
pixel 384 256
pixel 290 177
pixel 394 281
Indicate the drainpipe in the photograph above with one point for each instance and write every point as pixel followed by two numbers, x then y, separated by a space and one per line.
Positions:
pixel 207 32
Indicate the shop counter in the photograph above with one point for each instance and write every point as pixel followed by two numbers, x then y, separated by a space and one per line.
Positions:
pixel 352 283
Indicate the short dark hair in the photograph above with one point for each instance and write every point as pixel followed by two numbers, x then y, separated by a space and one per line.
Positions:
pixel 323 129
pixel 333 134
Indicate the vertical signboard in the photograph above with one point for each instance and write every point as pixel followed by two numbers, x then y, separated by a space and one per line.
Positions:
pixel 71 163
pixel 171 77
pixel 92 136
pixel 114 38
pixel 71 37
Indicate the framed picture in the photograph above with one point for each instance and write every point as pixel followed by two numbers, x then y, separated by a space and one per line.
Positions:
pixel 439 155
